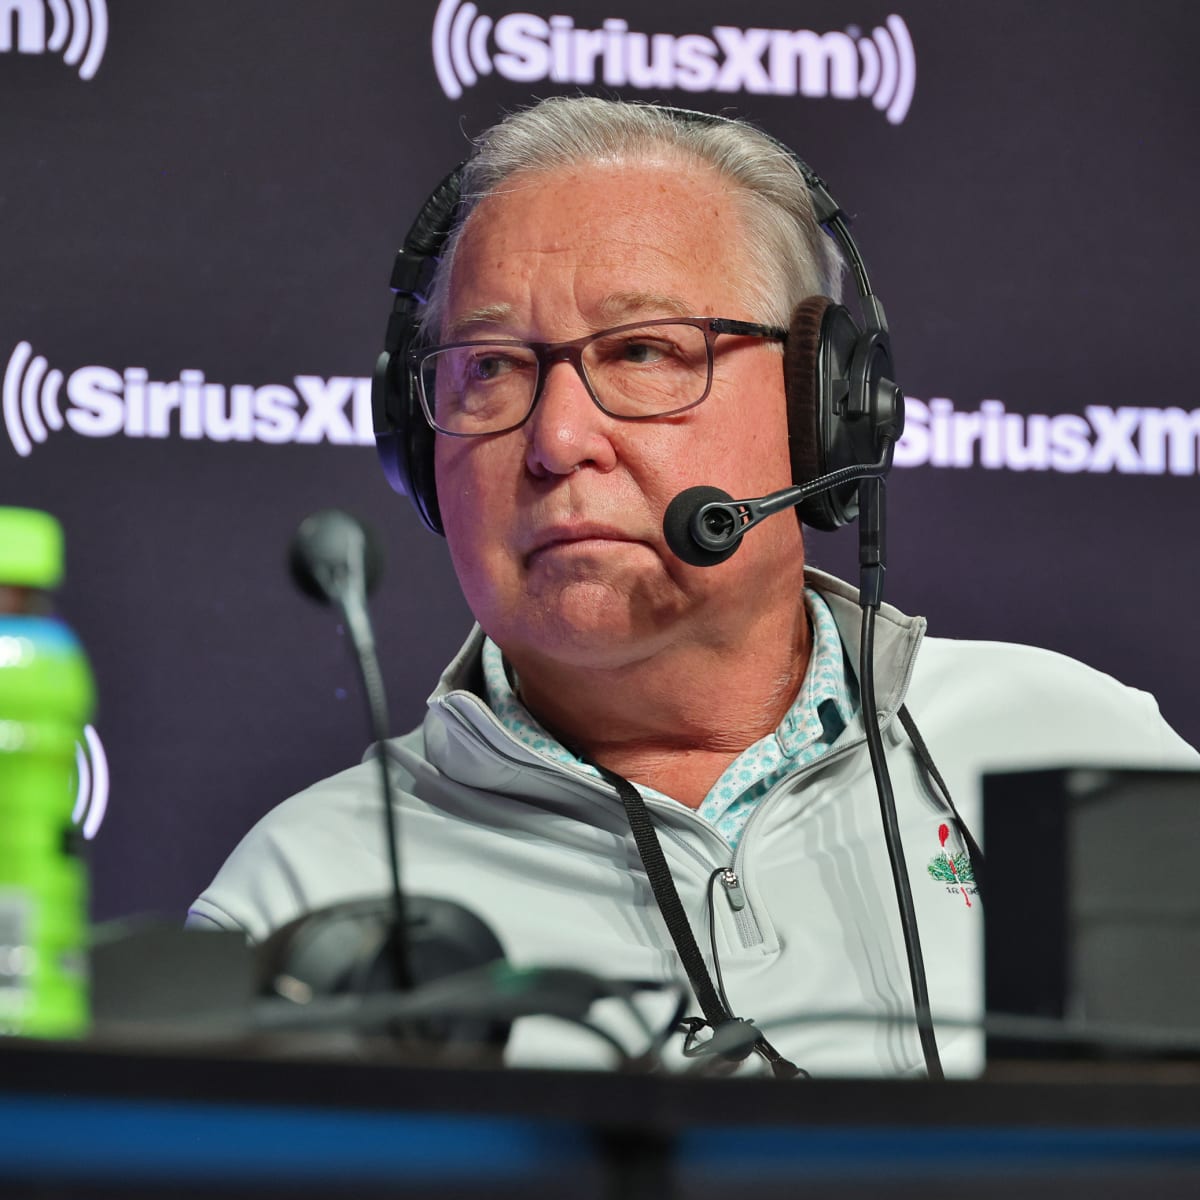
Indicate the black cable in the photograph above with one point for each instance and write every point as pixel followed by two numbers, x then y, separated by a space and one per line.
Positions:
pixel 628 1061
pixel 664 1034
pixel 872 562
pixel 978 864
pixel 891 833
pixel 368 1011
pixel 624 991
pixel 712 936
pixel 779 1065
pixel 1105 1035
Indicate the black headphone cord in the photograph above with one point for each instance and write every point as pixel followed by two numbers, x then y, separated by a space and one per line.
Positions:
pixel 895 848
pixel 975 854
pixel 734 1037
pixel 712 936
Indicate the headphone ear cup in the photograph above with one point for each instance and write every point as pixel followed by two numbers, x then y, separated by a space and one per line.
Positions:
pixel 403 438
pixel 843 407
pixel 417 439
pixel 816 363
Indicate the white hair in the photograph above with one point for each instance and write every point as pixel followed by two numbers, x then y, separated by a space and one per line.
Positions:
pixel 789 257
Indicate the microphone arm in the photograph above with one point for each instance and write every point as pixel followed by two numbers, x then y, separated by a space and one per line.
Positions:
pixel 704 525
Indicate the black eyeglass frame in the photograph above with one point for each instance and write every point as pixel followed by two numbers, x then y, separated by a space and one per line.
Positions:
pixel 546 354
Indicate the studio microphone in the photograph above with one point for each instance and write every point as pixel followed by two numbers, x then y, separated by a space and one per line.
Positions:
pixel 704 525
pixel 394 943
pixel 335 559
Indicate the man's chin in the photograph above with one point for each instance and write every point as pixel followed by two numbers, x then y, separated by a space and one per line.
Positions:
pixel 578 633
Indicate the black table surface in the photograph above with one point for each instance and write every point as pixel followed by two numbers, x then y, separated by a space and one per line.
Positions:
pixel 300 1117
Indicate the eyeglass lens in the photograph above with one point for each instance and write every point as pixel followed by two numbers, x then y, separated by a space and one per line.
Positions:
pixel 485 387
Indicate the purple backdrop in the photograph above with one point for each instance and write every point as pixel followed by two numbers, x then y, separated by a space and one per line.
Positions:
pixel 198 206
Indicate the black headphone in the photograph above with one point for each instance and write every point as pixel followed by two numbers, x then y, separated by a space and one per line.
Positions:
pixel 843 406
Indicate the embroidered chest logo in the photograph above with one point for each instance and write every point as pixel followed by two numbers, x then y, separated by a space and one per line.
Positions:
pixel 953 870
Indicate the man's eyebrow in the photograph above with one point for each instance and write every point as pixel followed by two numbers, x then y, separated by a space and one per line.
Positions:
pixel 616 308
pixel 488 314
pixel 624 306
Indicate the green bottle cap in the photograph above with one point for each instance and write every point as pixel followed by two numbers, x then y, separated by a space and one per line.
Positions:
pixel 31 549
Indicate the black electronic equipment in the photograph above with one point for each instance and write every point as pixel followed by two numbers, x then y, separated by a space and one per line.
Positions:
pixel 1092 940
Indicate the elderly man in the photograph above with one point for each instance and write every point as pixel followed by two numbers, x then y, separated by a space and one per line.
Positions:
pixel 650 251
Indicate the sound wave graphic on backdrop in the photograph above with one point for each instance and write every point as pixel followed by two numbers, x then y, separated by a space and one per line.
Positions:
pixel 77 28
pixel 526 48
pixel 460 54
pixel 91 797
pixel 30 399
pixel 889 68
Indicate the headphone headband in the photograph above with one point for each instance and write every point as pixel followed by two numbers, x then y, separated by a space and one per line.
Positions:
pixel 838 378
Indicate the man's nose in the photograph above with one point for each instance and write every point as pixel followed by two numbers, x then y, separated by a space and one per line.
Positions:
pixel 567 429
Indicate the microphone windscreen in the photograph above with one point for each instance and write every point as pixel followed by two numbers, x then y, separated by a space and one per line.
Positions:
pixel 331 549
pixel 677 526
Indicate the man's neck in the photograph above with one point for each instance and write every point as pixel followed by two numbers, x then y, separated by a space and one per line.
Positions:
pixel 676 720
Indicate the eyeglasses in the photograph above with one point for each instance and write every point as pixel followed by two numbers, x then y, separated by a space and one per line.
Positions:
pixel 633 372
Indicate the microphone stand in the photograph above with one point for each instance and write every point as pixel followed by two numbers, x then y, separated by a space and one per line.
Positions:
pixel 351 607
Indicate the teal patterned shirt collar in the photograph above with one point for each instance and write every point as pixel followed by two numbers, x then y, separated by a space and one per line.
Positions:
pixel 823 707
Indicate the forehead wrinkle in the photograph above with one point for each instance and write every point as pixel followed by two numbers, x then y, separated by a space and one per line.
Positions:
pixel 485 314
pixel 597 241
pixel 617 308
pixel 621 306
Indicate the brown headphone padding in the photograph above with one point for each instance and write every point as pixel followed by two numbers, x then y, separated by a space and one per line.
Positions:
pixel 800 358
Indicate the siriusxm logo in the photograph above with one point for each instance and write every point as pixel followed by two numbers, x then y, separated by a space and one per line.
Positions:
pixel 526 48
pixel 1129 440
pixel 102 402
pixel 78 29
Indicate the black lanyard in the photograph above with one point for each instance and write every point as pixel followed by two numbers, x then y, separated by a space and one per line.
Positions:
pixel 733 1037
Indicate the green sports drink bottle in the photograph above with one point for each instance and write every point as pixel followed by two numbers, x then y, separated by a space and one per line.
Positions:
pixel 46 698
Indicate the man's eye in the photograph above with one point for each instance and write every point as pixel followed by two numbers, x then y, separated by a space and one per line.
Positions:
pixel 483 368
pixel 645 352
pixel 638 351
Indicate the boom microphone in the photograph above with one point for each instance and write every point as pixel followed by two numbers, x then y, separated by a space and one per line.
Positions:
pixel 704 525
pixel 700 526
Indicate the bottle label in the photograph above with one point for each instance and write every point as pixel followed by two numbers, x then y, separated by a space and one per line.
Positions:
pixel 16 955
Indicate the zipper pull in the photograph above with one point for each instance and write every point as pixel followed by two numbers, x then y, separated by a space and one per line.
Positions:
pixel 733 889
